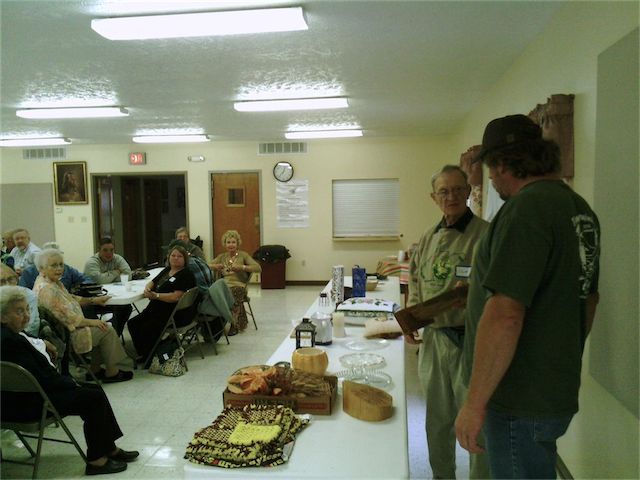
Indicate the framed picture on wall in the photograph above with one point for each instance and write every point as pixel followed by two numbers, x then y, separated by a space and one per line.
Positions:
pixel 70 182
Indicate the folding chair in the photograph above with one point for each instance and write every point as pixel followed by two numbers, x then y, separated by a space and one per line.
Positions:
pixel 186 333
pixel 16 379
pixel 70 354
pixel 247 300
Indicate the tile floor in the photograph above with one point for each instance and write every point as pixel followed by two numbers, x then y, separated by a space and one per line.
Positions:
pixel 159 415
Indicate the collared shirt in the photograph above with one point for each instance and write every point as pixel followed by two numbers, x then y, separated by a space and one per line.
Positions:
pixel 24 258
pixel 40 346
pixel 460 224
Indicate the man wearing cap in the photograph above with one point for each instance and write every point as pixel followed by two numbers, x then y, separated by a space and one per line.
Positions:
pixel 532 300
pixel 24 251
pixel 106 266
pixel 441 259
pixel 182 234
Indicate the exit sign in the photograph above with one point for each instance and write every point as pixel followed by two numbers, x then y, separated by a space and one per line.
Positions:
pixel 137 158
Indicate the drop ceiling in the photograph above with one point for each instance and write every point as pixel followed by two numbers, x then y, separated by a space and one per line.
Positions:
pixel 407 67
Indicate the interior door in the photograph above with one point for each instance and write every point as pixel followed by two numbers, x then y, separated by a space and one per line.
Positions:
pixel 236 206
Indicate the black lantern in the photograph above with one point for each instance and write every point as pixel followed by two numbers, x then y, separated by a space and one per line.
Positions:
pixel 305 334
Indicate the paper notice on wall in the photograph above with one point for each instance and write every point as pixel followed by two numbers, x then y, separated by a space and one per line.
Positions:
pixel 292 198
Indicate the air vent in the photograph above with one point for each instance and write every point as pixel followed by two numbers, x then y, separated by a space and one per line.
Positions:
pixel 281 147
pixel 55 153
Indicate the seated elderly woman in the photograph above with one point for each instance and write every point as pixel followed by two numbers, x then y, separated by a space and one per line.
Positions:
pixel 235 266
pixel 87 335
pixel 101 429
pixel 163 291
pixel 36 327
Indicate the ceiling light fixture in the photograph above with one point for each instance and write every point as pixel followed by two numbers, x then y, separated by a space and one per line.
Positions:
pixel 291 104
pixel 323 134
pixel 73 112
pixel 201 24
pixel 34 142
pixel 171 138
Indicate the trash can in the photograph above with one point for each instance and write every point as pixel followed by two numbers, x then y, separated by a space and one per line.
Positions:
pixel 273 260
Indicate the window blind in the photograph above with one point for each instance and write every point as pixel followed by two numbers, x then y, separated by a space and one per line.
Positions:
pixel 366 208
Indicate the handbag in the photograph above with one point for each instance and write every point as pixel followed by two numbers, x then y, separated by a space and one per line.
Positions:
pixel 88 290
pixel 139 274
pixel 172 367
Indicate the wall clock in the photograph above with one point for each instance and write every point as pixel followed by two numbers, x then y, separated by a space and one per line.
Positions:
pixel 283 171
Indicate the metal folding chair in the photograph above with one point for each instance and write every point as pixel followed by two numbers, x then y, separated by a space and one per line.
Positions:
pixel 184 335
pixel 16 379
pixel 247 300
pixel 70 354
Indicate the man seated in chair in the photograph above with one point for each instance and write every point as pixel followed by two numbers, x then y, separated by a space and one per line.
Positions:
pixel 24 251
pixel 106 266
pixel 101 428
pixel 182 234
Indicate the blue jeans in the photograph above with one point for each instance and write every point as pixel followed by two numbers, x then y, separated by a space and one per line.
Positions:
pixel 523 447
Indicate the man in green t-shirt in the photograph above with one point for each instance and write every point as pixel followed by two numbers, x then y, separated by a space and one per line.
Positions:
pixel 441 259
pixel 532 299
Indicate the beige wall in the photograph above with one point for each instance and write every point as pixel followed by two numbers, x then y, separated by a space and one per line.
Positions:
pixel 602 441
pixel 313 251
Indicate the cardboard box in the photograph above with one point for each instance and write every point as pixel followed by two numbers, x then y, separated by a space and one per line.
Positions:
pixel 322 405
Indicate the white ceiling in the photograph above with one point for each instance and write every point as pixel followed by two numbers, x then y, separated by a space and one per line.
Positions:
pixel 407 67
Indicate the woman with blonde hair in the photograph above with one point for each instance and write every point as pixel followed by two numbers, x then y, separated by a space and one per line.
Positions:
pixel 235 266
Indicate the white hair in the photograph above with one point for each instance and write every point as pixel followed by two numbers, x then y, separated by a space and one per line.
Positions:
pixel 43 257
pixel 8 296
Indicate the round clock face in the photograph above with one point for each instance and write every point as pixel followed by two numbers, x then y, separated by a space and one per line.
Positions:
pixel 283 171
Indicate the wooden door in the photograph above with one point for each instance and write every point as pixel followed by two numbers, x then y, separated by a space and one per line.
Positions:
pixel 236 206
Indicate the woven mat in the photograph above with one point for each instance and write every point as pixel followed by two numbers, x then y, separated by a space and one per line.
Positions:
pixel 211 445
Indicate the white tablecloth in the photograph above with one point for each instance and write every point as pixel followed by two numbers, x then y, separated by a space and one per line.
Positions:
pixel 340 446
pixel 125 295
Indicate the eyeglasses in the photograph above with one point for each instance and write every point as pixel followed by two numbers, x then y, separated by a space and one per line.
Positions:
pixel 8 281
pixel 455 191
pixel 56 265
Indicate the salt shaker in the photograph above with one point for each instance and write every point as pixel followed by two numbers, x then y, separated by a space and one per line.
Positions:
pixel 338 325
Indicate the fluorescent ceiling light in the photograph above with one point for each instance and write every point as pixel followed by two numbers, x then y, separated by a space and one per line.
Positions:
pixel 201 24
pixel 34 142
pixel 293 104
pixel 323 134
pixel 171 138
pixel 73 112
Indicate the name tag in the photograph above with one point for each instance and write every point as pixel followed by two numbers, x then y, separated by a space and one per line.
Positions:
pixel 463 271
pixel 172 279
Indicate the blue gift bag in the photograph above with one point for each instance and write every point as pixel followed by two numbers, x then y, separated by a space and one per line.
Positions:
pixel 359 278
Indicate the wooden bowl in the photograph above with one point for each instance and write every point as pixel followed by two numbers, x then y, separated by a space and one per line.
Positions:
pixel 310 359
pixel 372 283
